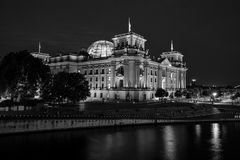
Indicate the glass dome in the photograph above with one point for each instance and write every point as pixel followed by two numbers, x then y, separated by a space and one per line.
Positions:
pixel 101 49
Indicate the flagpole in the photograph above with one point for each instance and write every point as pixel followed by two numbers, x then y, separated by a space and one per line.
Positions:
pixel 39 47
pixel 129 25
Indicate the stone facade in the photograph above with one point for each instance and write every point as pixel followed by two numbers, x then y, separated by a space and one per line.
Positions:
pixel 128 72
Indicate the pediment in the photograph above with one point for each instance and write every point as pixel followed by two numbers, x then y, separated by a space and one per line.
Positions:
pixel 166 62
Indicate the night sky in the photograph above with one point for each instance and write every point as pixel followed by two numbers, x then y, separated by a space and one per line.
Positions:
pixel 207 32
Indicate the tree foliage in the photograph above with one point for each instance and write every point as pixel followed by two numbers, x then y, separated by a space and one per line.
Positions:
pixel 65 87
pixel 161 93
pixel 189 95
pixel 205 93
pixel 22 75
pixel 235 96
pixel 178 93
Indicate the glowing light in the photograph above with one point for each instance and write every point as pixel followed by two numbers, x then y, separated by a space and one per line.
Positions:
pixel 216 142
pixel 214 94
pixel 198 131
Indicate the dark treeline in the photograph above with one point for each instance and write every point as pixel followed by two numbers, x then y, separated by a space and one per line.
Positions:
pixel 23 76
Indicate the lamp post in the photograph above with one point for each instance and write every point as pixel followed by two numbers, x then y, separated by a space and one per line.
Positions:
pixel 214 94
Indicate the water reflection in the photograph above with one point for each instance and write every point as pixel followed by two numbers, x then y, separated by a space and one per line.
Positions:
pixel 198 132
pixel 109 142
pixel 82 107
pixel 216 145
pixel 145 143
pixel 169 143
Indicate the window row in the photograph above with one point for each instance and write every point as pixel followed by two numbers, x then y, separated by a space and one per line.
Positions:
pixel 97 86
pixel 96 71
pixel 155 79
pixel 100 95
pixel 153 73
pixel 96 79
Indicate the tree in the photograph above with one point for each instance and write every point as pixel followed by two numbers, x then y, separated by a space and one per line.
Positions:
pixel 189 95
pixel 184 92
pixel 235 96
pixel 178 94
pixel 194 92
pixel 161 93
pixel 22 75
pixel 205 93
pixel 219 93
pixel 65 87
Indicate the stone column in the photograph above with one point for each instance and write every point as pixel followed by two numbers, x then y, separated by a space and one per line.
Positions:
pixel 137 63
pixel 145 75
pixel 182 81
pixel 126 73
pixel 113 68
pixel 159 77
pixel 167 78
pixel 185 79
pixel 132 73
pixel 177 80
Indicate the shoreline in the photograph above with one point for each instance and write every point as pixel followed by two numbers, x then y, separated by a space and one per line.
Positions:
pixel 16 127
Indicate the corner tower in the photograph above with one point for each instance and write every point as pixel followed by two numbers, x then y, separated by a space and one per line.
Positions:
pixel 129 43
pixel 175 57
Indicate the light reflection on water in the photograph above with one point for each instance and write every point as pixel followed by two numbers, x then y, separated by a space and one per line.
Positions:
pixel 168 142
pixel 198 132
pixel 216 142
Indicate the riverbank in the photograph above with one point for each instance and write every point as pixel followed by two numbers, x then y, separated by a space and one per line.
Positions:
pixel 33 126
pixel 115 116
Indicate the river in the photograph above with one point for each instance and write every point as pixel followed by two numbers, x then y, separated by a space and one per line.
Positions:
pixel 208 141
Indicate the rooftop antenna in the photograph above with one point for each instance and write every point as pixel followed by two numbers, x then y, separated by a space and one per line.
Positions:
pixel 39 47
pixel 129 25
pixel 171 45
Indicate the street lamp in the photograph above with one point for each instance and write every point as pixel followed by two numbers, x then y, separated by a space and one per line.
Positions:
pixel 214 96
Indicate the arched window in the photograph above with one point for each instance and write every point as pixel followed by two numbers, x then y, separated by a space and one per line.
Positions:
pixel 120 71
pixel 141 72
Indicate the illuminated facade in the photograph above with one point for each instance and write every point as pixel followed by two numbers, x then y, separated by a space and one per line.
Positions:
pixel 43 56
pixel 123 70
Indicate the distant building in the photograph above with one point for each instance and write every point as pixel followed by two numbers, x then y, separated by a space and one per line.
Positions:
pixel 122 69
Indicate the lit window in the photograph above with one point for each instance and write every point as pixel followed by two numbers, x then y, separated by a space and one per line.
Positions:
pixel 103 71
pixel 96 71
